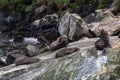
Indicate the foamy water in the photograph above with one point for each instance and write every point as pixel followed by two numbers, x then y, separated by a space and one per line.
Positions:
pixel 28 40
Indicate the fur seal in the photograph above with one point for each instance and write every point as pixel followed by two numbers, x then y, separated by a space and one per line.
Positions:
pixel 65 52
pixel 25 60
pixel 61 41
pixel 103 42
pixel 12 57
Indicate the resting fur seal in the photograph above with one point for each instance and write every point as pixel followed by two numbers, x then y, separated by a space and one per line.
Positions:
pixel 25 60
pixel 12 57
pixel 61 41
pixel 65 52
pixel 103 42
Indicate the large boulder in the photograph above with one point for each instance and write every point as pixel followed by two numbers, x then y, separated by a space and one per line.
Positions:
pixel 72 25
pixel 105 20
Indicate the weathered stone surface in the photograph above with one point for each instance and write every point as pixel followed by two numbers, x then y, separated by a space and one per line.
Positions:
pixel 87 63
pixel 107 22
pixel 73 26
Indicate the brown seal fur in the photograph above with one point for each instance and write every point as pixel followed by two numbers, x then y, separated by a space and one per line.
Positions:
pixel 25 60
pixel 103 42
pixel 65 52
pixel 12 57
pixel 61 41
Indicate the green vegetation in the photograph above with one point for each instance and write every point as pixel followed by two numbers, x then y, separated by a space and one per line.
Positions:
pixel 30 5
pixel 100 6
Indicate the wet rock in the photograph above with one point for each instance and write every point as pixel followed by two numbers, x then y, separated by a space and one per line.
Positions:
pixel 12 57
pixel 32 50
pixel 85 8
pixel 72 1
pixel 65 52
pixel 43 40
pixel 29 17
pixel 117 31
pixel 53 7
pixel 3 25
pixel 45 26
pixel 25 60
pixel 18 38
pixel 73 26
pixel 2 63
pixel 10 21
pixel 61 41
pixel 41 11
pixel 17 17
pixel 90 18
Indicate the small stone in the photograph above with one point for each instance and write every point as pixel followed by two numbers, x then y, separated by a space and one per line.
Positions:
pixel 32 50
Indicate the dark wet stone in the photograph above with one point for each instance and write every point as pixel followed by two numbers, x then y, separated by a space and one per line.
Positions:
pixel 116 32
pixel 25 60
pixel 65 52
pixel 72 1
pixel 90 18
pixel 10 21
pixel 18 38
pixel 3 26
pixel 42 39
pixel 2 63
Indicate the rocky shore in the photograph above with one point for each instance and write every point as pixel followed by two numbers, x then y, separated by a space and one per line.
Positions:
pixel 57 42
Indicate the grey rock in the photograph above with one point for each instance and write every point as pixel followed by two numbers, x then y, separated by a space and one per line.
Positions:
pixel 73 26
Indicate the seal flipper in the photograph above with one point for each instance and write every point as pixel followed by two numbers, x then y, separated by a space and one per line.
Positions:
pixel 105 50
